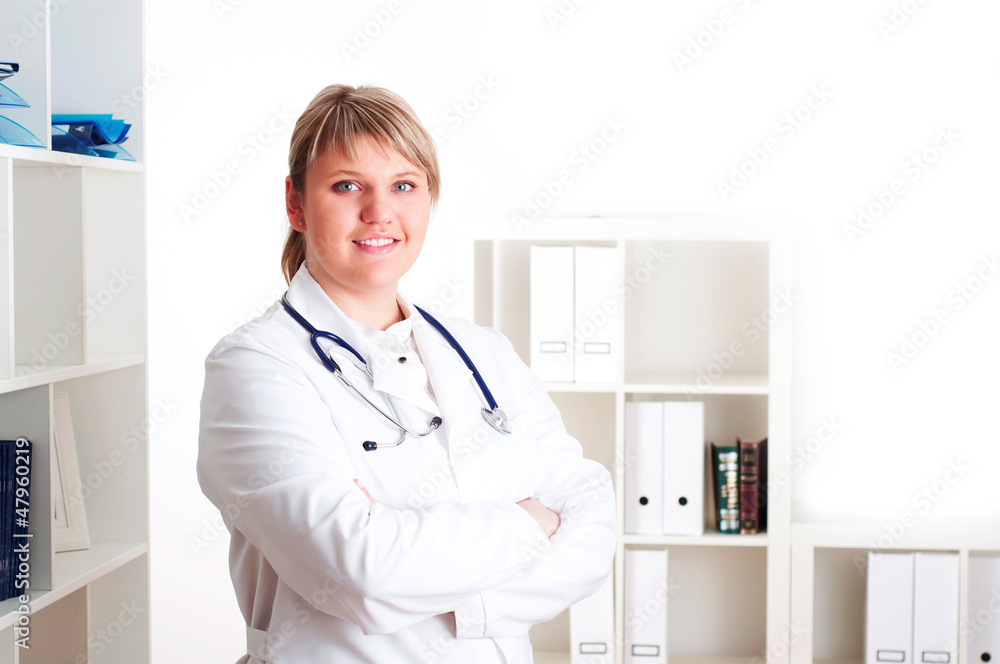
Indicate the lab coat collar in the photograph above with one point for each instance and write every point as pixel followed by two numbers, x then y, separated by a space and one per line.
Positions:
pixel 309 298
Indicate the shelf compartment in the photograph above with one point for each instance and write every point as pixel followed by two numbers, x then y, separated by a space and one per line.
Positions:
pixel 24 26
pixel 509 264
pixel 72 571
pixel 48 275
pixel 28 413
pixel 552 638
pixel 114 256
pixel 838 610
pixel 722 614
pixel 59 632
pixel 119 615
pixel 594 426
pixel 716 600
pixel 726 417
pixel 109 80
pixel 111 438
pixel 8 646
pixel 6 268
pixel 704 303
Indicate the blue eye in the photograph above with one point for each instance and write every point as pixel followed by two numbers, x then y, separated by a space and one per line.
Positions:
pixel 345 186
pixel 403 186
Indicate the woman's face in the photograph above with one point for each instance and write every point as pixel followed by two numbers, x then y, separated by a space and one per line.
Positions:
pixel 364 220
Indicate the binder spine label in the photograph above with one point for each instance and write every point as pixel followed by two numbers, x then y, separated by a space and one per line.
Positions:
pixel 645 651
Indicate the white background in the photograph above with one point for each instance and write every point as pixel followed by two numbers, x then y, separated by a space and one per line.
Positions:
pixel 232 76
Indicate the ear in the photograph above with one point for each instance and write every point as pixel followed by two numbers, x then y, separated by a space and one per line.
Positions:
pixel 293 206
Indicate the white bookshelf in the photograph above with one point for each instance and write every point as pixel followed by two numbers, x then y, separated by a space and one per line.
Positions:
pixel 73 302
pixel 829 576
pixel 733 600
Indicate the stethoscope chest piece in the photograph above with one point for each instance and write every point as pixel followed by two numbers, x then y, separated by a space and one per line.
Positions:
pixel 496 419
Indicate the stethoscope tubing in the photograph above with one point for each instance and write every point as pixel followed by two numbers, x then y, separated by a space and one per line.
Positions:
pixel 331 364
pixel 434 423
pixel 465 358
pixel 493 415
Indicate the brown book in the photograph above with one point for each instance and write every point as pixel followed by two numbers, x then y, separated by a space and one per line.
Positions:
pixel 753 486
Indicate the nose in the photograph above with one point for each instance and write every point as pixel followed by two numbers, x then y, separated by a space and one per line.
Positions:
pixel 376 208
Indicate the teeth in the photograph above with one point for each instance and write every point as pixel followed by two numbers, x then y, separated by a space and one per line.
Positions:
pixel 377 242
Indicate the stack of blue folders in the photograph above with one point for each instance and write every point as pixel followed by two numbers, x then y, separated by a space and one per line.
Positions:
pixel 11 132
pixel 93 135
pixel 15 540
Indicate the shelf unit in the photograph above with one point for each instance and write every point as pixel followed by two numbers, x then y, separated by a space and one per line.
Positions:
pixel 719 276
pixel 73 301
pixel 829 577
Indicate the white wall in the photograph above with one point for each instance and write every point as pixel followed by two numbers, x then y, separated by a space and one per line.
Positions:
pixel 229 71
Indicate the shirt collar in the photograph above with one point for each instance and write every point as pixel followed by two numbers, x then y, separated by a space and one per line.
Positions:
pixel 312 302
pixel 400 331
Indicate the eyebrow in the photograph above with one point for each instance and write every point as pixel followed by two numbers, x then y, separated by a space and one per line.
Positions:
pixel 359 174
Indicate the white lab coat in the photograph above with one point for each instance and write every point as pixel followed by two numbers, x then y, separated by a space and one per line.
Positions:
pixel 324 575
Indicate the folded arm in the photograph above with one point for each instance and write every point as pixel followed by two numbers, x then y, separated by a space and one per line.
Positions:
pixel 580 557
pixel 271 460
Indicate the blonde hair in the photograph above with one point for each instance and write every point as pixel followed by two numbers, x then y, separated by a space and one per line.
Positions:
pixel 336 119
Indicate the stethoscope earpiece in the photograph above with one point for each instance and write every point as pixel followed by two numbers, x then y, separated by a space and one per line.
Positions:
pixel 369 445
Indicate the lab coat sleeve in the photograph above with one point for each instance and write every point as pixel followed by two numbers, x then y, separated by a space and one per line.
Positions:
pixel 582 548
pixel 271 460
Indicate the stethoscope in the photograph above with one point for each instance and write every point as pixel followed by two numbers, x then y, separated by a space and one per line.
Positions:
pixel 493 415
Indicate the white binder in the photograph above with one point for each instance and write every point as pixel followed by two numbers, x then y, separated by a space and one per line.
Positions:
pixel 646 596
pixel 592 627
pixel 551 311
pixel 935 608
pixel 984 601
pixel 644 467
pixel 683 467
pixel 889 618
pixel 597 315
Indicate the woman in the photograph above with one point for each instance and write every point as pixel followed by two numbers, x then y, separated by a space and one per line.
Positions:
pixel 346 546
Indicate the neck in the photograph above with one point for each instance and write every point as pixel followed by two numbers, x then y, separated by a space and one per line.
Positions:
pixel 377 310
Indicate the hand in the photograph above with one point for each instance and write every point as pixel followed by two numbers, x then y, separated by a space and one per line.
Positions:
pixel 546 518
pixel 367 495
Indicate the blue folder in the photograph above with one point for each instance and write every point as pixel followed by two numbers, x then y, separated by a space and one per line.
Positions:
pixel 93 129
pixel 12 133
pixel 65 142
pixel 10 98
pixel 111 151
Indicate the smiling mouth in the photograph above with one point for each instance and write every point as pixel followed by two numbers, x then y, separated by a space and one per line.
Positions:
pixel 376 242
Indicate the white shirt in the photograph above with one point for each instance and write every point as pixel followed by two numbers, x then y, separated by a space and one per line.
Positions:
pixel 395 344
pixel 321 573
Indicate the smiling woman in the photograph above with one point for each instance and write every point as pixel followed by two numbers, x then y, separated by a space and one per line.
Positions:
pixel 447 548
pixel 363 177
pixel 363 221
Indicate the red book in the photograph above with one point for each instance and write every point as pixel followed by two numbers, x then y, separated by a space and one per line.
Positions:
pixel 753 486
